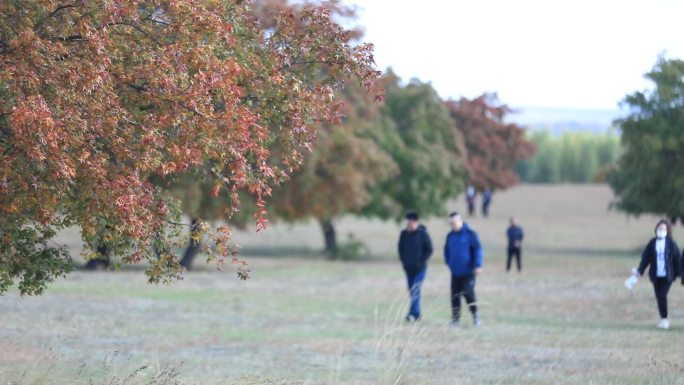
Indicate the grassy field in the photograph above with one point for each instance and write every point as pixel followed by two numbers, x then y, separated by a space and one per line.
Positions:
pixel 567 319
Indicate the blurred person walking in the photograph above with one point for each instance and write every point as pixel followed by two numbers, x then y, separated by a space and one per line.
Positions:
pixel 486 201
pixel 471 196
pixel 415 248
pixel 463 255
pixel 515 237
pixel 661 256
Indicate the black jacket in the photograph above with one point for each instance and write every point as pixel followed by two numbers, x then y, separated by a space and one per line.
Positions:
pixel 514 234
pixel 672 262
pixel 415 248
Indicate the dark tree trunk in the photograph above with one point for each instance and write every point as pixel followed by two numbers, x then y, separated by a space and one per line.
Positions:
pixel 329 236
pixel 102 261
pixel 193 247
pixel 673 221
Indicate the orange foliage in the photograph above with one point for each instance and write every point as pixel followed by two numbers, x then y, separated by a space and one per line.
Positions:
pixel 97 97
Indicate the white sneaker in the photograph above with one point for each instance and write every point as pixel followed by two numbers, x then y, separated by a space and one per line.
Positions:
pixel 477 322
pixel 664 324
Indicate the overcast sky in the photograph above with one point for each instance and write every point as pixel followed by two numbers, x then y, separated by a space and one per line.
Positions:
pixel 535 53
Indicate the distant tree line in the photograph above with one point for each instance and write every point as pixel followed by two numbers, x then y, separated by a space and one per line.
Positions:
pixel 571 157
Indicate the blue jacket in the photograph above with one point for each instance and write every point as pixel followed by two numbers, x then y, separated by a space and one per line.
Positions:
pixel 463 252
pixel 415 248
pixel 514 233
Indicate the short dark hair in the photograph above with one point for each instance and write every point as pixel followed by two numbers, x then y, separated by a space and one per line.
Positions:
pixel 412 216
pixel 667 224
pixel 454 214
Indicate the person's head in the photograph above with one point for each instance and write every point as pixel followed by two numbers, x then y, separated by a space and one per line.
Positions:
pixel 412 223
pixel 663 229
pixel 513 222
pixel 456 221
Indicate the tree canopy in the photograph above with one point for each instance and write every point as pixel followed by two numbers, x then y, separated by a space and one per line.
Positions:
pixel 494 146
pixel 414 152
pixel 646 178
pixel 419 135
pixel 97 98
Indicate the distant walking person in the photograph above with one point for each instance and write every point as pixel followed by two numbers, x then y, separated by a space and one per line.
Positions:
pixel 662 255
pixel 471 195
pixel 415 248
pixel 486 201
pixel 515 237
pixel 463 255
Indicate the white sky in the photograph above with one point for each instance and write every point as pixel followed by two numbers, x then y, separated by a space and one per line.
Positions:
pixel 544 53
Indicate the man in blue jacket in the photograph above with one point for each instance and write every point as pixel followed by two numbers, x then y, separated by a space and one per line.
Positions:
pixel 463 255
pixel 515 237
pixel 415 248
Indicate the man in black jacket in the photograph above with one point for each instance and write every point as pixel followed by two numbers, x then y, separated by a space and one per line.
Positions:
pixel 415 248
pixel 662 255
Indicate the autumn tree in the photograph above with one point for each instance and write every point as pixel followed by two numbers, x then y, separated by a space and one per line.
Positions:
pixel 494 146
pixel 336 157
pixel 380 161
pixel 97 98
pixel 339 173
pixel 202 203
pixel 416 131
pixel 646 178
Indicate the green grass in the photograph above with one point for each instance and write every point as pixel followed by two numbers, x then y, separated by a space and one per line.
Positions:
pixel 566 320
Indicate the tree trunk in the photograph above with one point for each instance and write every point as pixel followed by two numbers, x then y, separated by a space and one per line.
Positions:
pixel 193 247
pixel 102 261
pixel 329 237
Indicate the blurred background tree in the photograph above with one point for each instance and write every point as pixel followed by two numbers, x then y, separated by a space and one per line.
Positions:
pixel 337 176
pixel 647 178
pixel 493 145
pixel 420 136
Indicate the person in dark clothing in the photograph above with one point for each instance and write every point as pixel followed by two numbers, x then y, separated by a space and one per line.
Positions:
pixel 515 237
pixel 463 255
pixel 471 196
pixel 415 248
pixel 661 255
pixel 486 201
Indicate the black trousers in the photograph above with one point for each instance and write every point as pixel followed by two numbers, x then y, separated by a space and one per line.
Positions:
pixel 514 252
pixel 462 286
pixel 661 286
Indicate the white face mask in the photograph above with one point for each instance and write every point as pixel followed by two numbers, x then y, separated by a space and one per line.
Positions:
pixel 661 234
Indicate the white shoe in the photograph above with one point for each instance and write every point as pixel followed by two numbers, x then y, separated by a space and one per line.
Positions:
pixel 477 322
pixel 664 324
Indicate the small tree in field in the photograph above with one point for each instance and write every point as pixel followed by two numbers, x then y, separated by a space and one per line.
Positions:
pixel 494 146
pixel 418 134
pixel 338 174
pixel 98 98
pixel 647 178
